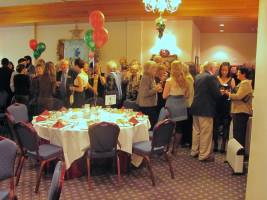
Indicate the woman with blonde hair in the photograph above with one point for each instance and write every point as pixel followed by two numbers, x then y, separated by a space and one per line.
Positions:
pixel 147 93
pixel 114 82
pixel 175 92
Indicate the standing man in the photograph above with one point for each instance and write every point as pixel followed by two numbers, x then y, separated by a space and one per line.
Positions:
pixel 5 74
pixel 203 109
pixel 65 79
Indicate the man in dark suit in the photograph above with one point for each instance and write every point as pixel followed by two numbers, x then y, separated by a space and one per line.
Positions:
pixel 5 74
pixel 65 79
pixel 203 109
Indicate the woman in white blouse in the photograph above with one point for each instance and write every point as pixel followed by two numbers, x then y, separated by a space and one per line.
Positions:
pixel 175 92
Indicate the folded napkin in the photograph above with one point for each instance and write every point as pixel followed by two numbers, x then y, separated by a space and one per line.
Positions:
pixel 133 120
pixel 58 124
pixel 40 118
pixel 46 112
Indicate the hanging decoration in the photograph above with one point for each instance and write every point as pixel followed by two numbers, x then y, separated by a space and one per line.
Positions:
pixel 38 48
pixel 161 6
pixel 160 25
pixel 98 35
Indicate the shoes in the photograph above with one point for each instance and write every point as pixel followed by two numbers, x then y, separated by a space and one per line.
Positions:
pixel 209 159
pixel 194 155
pixel 222 151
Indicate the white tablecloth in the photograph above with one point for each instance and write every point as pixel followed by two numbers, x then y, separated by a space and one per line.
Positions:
pixel 74 138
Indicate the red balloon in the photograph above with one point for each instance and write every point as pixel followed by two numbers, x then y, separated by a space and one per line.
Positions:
pixel 100 37
pixel 33 44
pixel 91 55
pixel 97 19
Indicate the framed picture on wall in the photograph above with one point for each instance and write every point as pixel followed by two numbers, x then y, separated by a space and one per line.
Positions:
pixel 72 49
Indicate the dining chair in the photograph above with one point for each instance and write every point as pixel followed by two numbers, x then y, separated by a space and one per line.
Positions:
pixel 103 144
pixel 57 181
pixel 163 114
pixel 162 134
pixel 11 123
pixel 128 104
pixel 19 112
pixel 29 141
pixel 8 151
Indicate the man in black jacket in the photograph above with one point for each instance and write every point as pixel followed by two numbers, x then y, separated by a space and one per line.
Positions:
pixel 203 109
pixel 5 74
pixel 65 79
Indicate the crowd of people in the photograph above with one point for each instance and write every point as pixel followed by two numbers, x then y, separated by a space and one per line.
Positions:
pixel 201 102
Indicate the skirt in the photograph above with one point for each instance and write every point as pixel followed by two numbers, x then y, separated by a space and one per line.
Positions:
pixel 176 105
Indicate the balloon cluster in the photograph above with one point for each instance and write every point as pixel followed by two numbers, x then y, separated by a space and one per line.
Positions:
pixel 38 48
pixel 98 36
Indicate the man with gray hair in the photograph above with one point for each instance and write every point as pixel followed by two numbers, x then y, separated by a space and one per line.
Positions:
pixel 203 109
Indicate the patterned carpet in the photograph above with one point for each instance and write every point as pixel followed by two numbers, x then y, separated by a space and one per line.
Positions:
pixel 194 180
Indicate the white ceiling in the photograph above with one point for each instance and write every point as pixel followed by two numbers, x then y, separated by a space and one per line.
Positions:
pixel 5 3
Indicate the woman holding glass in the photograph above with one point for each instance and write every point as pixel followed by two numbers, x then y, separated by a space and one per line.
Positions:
pixel 241 109
pixel 222 119
pixel 147 93
pixel 175 92
pixel 80 84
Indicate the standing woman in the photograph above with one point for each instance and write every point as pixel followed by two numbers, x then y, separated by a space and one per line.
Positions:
pixel 241 105
pixel 222 118
pixel 80 84
pixel 175 92
pixel 47 88
pixel 188 125
pixel 22 85
pixel 147 93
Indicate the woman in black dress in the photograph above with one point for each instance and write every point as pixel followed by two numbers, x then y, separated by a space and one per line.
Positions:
pixel 222 119
pixel 22 85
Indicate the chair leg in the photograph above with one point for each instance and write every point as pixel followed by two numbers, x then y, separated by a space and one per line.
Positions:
pixel 150 170
pixel 88 165
pixel 170 164
pixel 119 170
pixel 19 168
pixel 39 176
pixel 18 165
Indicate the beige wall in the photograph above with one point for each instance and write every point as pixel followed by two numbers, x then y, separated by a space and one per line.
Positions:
pixel 257 175
pixel 132 39
pixel 14 42
pixel 195 41
pixel 234 47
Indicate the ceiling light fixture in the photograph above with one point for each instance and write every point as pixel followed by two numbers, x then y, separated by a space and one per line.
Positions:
pixel 221 25
pixel 162 5
pixel 221 31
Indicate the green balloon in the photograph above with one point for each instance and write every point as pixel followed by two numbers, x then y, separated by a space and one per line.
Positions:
pixel 36 54
pixel 91 46
pixel 41 47
pixel 88 37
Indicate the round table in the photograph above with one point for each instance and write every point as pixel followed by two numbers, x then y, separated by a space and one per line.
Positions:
pixel 73 136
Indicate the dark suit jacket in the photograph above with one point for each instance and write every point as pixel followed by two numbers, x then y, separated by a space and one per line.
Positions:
pixel 207 92
pixel 5 74
pixel 70 80
pixel 22 84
